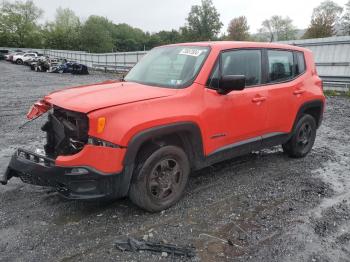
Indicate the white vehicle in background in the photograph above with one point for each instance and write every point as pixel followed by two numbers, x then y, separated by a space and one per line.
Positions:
pixel 10 56
pixel 21 58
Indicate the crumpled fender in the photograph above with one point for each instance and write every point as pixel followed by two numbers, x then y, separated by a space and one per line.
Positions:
pixel 38 109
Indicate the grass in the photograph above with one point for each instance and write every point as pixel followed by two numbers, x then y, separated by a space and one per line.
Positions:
pixel 336 93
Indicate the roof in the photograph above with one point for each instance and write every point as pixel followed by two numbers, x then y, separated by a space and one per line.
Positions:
pixel 222 45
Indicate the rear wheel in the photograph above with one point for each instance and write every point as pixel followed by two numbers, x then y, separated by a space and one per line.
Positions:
pixel 19 62
pixel 303 138
pixel 160 179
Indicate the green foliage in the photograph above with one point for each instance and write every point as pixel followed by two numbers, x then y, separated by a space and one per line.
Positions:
pixel 203 22
pixel 238 29
pixel 96 35
pixel 127 38
pixel 324 19
pixel 63 33
pixel 169 37
pixel 19 27
pixel 345 23
pixel 336 93
pixel 18 24
pixel 278 28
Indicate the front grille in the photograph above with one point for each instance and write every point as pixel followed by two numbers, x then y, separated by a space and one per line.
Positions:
pixel 67 132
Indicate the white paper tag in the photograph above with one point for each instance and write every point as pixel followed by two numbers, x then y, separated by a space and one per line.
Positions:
pixel 191 52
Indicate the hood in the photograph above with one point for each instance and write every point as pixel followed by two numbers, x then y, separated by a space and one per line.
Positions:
pixel 88 98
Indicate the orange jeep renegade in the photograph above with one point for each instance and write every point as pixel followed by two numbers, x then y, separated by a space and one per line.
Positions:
pixel 181 108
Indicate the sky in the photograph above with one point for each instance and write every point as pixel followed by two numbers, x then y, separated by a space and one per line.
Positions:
pixel 156 15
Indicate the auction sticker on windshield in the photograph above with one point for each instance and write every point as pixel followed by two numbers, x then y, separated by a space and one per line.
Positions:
pixel 191 52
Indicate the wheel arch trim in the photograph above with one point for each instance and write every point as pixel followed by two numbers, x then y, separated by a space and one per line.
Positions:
pixel 195 144
pixel 319 104
pixel 190 128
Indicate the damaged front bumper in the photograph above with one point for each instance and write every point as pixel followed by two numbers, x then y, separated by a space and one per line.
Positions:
pixel 78 182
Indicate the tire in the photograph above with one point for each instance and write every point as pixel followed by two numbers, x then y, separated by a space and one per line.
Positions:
pixel 19 62
pixel 160 180
pixel 303 139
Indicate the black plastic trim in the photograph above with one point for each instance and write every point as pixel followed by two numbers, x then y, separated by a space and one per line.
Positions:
pixel 194 144
pixel 189 128
pixel 85 184
pixel 233 150
pixel 274 139
pixel 308 105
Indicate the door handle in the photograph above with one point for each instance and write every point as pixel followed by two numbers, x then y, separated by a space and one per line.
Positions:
pixel 299 91
pixel 258 99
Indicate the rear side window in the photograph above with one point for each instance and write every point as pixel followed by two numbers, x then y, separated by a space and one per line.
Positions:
pixel 300 63
pixel 280 65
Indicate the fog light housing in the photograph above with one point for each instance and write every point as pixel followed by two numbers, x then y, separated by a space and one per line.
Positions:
pixel 100 142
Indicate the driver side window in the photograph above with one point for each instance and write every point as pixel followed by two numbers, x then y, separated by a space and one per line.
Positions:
pixel 238 62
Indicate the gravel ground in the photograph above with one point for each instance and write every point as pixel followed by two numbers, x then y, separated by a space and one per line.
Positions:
pixel 271 207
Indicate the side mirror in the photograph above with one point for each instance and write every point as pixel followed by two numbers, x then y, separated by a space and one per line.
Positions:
pixel 229 83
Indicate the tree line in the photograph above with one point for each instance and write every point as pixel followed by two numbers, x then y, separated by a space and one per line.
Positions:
pixel 19 27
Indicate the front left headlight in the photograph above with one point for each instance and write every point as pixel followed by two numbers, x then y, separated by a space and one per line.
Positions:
pixel 100 142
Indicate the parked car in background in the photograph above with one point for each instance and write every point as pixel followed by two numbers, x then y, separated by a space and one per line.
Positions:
pixel 32 59
pixel 10 56
pixel 19 59
pixel 3 54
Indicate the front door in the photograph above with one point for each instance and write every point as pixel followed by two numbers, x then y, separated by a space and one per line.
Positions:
pixel 238 118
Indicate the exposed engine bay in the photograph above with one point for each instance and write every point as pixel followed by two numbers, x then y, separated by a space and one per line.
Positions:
pixel 67 132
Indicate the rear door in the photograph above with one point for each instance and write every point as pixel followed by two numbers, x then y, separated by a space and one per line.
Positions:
pixel 282 83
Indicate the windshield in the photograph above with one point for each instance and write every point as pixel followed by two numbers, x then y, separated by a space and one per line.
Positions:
pixel 169 66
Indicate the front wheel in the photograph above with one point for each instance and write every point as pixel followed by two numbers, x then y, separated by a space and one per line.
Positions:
pixel 160 180
pixel 302 141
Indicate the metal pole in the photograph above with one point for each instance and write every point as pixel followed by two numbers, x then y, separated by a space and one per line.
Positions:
pixel 106 64
pixel 115 62
pixel 124 60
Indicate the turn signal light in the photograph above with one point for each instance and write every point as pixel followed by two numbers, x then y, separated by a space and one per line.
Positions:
pixel 101 122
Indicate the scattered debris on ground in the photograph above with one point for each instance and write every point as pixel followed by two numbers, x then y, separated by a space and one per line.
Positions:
pixel 134 245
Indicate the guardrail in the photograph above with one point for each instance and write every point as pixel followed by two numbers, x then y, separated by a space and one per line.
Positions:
pixel 336 86
pixel 120 62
